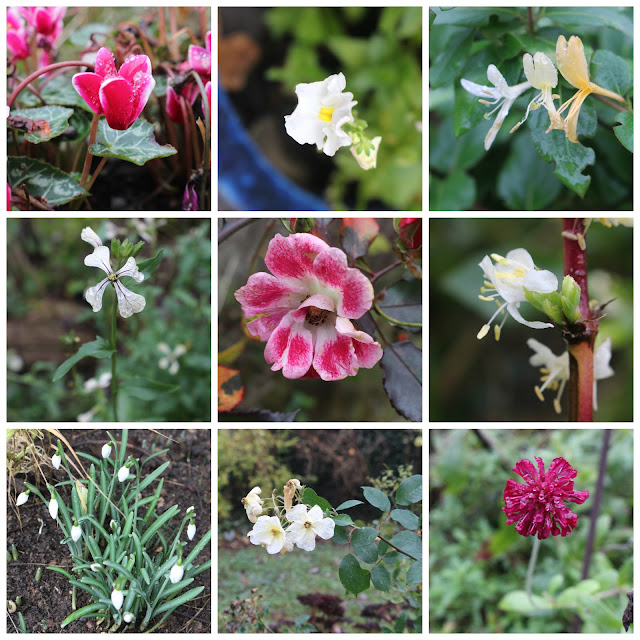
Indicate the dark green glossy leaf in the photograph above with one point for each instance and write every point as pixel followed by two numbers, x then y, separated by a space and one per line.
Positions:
pixel 414 575
pixel 381 578
pixel 348 504
pixel 409 542
pixel 474 17
pixel 311 498
pixel 367 553
pixel 455 193
pixel 353 577
pixel 340 535
pixel 410 490
pixel 362 537
pixel 450 60
pixel 342 520
pixel 407 519
pixel 376 498
pixel 624 132
pixel 99 348
pixel 591 16
pixel 611 72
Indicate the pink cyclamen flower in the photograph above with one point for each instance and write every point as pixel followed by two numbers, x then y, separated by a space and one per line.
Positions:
pixel 305 309
pixel 119 95
pixel 47 21
pixel 17 37
pixel 537 507
pixel 200 58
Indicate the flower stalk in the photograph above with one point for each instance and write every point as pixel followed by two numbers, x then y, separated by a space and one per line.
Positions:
pixel 114 382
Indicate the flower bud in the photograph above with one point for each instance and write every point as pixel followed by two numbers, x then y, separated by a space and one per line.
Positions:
pixel 366 158
pixel 117 598
pixel 106 450
pixel 56 460
pixel 53 508
pixel 191 511
pixel 191 530
pixel 76 532
pixel 22 498
pixel 128 617
pixel 123 474
pixel 95 567
pixel 176 573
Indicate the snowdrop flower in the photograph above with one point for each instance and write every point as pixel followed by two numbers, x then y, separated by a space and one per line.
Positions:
pixel 191 510
pixel 103 381
pixel 123 474
pixel 170 359
pixel 321 112
pixel 95 567
pixel 117 598
pixel 53 508
pixel 87 416
pixel 306 526
pixel 90 236
pixel 253 504
pixel 128 617
pixel 191 530
pixel 76 532
pixel 128 302
pixel 508 279
pixel 269 533
pixel 503 96
pixel 22 498
pixel 56 460
pixel 365 161
pixel 106 450
pixel 176 572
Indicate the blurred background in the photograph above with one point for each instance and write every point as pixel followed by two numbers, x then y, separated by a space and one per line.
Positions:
pixel 477 380
pixel 264 53
pixel 335 464
pixel 48 320
pixel 475 558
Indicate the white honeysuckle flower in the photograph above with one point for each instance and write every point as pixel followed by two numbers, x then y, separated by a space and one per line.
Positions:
pixel 191 530
pixel 102 382
pixel 614 222
pixel 76 532
pixel 117 598
pixel 555 369
pixel 321 112
pixel 22 498
pixel 106 450
pixel 503 95
pixel 365 161
pixel 123 473
pixel 306 526
pixel 176 573
pixel 253 504
pixel 87 416
pixel 268 532
pixel 128 617
pixel 90 236
pixel 53 508
pixel 508 279
pixel 56 460
pixel 128 301
pixel 170 359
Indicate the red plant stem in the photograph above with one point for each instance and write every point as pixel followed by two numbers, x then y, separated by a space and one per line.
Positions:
pixel 96 173
pixel 580 342
pixel 30 78
pixel 89 157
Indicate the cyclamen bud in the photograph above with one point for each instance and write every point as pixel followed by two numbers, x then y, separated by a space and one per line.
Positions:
pixel 106 450
pixel 176 572
pixel 123 474
pixel 191 530
pixel 22 498
pixel 129 617
pixel 76 532
pixel 53 508
pixel 117 598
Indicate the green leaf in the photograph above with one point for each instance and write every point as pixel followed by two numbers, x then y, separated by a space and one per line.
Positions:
pixel 406 518
pixel 526 182
pixel 94 30
pixel 99 348
pixel 342 520
pixel 624 133
pixel 348 504
pixel 180 600
pixel 381 578
pixel 376 498
pixel 311 498
pixel 59 91
pixel 81 613
pixel 353 577
pixel 571 596
pixel 414 575
pixel 340 535
pixel 455 193
pixel 454 46
pixel 474 17
pixel 402 369
pixel 409 542
pixel 519 602
pixel 136 144
pixel 56 117
pixel 570 158
pixel 403 301
pixel 611 72
pixel 432 17
pixel 593 16
pixel 147 389
pixel 367 553
pixel 409 491
pixel 362 537
pixel 151 264
pixel 43 180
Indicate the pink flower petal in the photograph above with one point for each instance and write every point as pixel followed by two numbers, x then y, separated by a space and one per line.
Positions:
pixel 200 60
pixel 264 293
pixel 173 106
pixel 368 354
pixel 292 257
pixel 116 98
pixel 264 326
pixel 335 358
pixel 355 290
pixel 142 87
pixel 133 65
pixel 290 348
pixel 105 65
pixel 88 86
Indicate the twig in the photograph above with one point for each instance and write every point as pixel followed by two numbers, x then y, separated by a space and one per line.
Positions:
pixel 232 227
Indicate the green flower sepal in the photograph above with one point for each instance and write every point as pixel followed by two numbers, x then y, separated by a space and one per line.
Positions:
pixel 561 307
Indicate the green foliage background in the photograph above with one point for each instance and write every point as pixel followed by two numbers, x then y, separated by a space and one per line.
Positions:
pixel 473 379
pixel 475 559
pixel 529 169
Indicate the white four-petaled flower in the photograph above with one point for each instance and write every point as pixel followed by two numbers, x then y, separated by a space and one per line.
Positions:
pixel 322 110
pixel 128 301
pixel 170 359
pixel 508 279
pixel 503 95
pixel 307 525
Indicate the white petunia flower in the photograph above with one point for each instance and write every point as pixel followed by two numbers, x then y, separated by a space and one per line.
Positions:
pixel 117 598
pixel 269 533
pixel 306 526
pixel 170 359
pixel 22 498
pixel 128 301
pixel 76 532
pixel 90 236
pixel 508 279
pixel 321 112
pixel 253 504
pixel 53 508
pixel 502 94
pixel 176 573
pixel 102 382
pixel 106 450
pixel 191 530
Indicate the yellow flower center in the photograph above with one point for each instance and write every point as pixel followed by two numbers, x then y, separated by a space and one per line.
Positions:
pixel 326 113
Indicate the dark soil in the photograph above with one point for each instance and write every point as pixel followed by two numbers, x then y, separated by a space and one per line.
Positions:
pixel 187 481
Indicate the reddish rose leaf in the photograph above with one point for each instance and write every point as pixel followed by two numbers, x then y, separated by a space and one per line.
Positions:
pixel 357 234
pixel 230 388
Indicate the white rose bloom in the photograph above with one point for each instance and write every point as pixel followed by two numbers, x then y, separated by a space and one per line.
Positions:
pixel 253 504
pixel 269 533
pixel 306 526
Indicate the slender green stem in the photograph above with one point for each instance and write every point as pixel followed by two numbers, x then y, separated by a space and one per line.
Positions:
pixel 400 322
pixel 532 566
pixel 398 549
pixel 114 382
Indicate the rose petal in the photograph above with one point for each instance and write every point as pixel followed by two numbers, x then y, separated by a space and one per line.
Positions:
pixel 335 357
pixel 290 348
pixel 291 258
pixel 264 293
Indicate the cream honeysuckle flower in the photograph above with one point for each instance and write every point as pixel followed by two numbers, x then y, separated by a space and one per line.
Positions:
pixel 503 95
pixel 542 75
pixel 572 64
pixel 322 110
pixel 128 301
pixel 508 279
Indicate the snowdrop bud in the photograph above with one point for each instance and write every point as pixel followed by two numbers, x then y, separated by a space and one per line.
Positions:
pixel 76 532
pixel 95 567
pixel 56 460
pixel 53 508
pixel 129 617
pixel 191 511
pixel 176 573
pixel 117 598
pixel 22 498
pixel 123 474
pixel 106 450
pixel 191 530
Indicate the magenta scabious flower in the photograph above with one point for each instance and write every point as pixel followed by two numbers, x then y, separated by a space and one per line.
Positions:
pixel 537 507
pixel 119 95
pixel 304 310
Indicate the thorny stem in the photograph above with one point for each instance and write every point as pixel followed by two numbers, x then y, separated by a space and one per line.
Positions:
pixel 114 383
pixel 532 565
pixel 88 157
pixel 580 343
